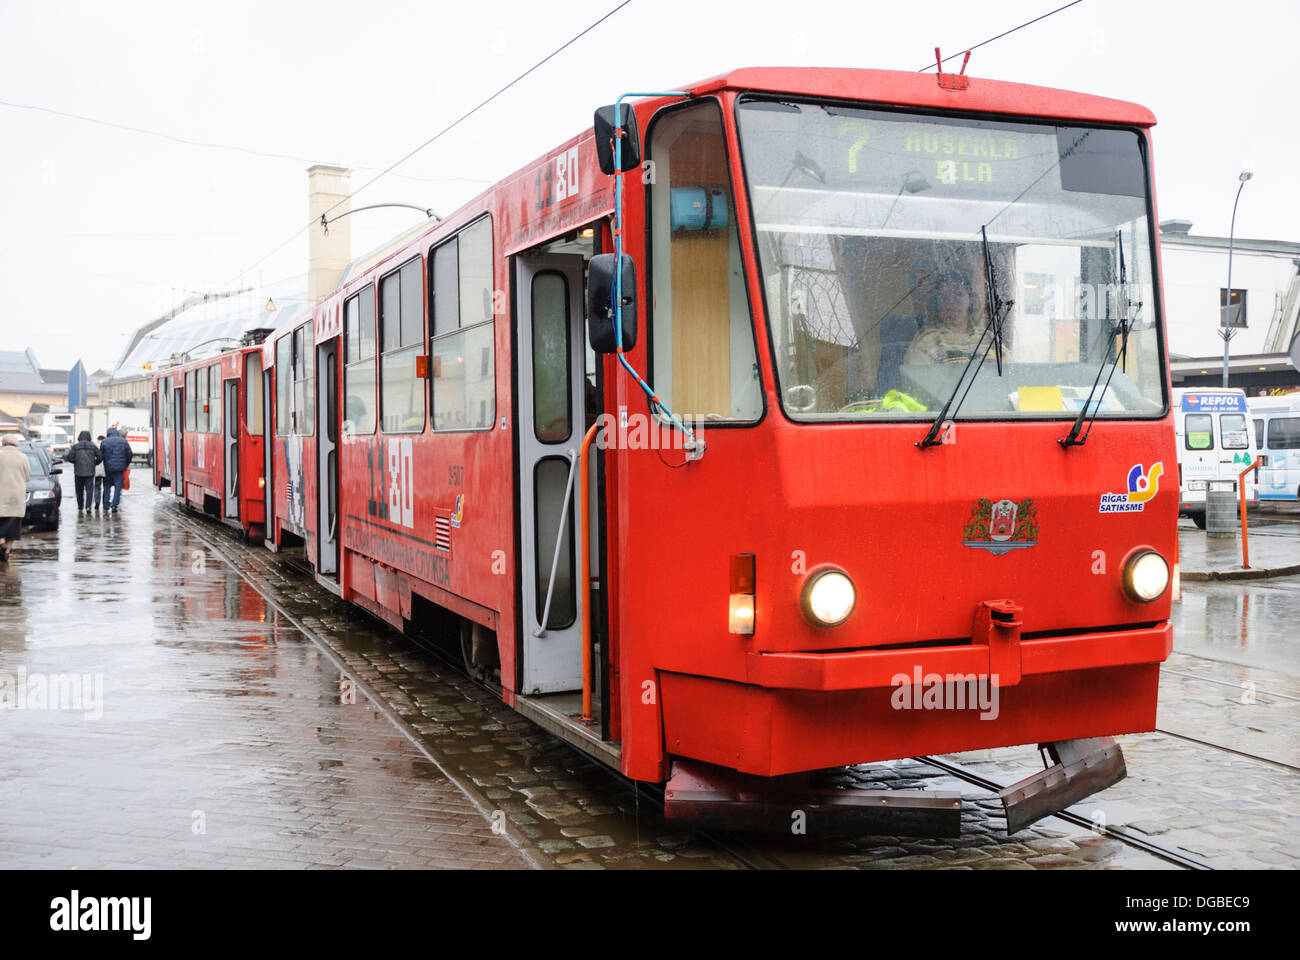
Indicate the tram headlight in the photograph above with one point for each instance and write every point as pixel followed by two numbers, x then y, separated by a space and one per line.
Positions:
pixel 828 598
pixel 1146 576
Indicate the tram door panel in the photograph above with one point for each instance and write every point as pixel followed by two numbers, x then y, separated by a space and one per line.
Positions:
pixel 271 525
pixel 549 430
pixel 156 430
pixel 231 443
pixel 327 457
pixel 178 433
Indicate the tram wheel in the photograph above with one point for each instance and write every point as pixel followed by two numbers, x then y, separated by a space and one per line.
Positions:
pixel 478 651
pixel 1199 520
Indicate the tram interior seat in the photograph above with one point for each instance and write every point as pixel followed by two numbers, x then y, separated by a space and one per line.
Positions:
pixel 896 334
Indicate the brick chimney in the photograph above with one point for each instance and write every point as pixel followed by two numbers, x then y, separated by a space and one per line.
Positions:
pixel 327 254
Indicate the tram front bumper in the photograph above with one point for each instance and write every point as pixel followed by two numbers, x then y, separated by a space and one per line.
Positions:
pixel 1005 663
pixel 796 711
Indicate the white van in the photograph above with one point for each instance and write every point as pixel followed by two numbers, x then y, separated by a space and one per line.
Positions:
pixel 1277 437
pixel 1215 443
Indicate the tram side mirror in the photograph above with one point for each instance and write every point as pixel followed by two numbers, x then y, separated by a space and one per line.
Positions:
pixel 600 297
pixel 604 125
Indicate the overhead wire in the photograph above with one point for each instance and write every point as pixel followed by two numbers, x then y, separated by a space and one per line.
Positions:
pixel 448 128
pixel 213 145
pixel 1004 33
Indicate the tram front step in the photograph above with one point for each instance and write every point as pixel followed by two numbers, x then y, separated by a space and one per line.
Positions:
pixel 709 796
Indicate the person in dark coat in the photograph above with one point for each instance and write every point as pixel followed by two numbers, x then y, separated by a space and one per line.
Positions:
pixel 84 456
pixel 117 458
pixel 99 477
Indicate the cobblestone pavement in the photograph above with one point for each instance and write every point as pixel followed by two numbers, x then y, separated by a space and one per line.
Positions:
pixel 222 739
pixel 567 811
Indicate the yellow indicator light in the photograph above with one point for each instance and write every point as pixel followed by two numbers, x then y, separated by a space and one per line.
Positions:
pixel 740 614
pixel 261 482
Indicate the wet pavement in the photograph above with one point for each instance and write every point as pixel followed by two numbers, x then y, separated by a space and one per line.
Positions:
pixel 249 718
pixel 1273 537
pixel 168 717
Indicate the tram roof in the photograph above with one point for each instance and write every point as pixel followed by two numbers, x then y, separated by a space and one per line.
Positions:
pixel 897 88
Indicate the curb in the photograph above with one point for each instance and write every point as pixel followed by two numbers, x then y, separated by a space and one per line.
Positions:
pixel 1238 574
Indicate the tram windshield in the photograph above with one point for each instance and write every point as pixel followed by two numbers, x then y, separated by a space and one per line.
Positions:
pixel 871 230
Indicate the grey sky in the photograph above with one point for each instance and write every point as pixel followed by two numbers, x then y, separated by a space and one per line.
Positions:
pixel 101 229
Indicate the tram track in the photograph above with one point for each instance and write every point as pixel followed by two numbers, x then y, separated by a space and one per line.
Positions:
pixel 1237 753
pixel 1117 833
pixel 1228 683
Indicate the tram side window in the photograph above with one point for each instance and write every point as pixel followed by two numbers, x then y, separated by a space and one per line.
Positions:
pixel 401 336
pixel 253 393
pixel 189 401
pixel 1199 432
pixel 462 350
pixel 201 400
pixel 359 372
pixel 702 338
pixel 283 358
pixel 304 383
pixel 214 404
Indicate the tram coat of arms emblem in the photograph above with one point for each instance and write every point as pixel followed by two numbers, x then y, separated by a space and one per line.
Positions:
pixel 1000 526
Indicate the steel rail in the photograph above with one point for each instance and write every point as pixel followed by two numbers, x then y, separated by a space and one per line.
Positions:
pixel 1146 846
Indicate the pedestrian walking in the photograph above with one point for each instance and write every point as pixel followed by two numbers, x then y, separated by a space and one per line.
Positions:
pixel 99 477
pixel 15 471
pixel 117 457
pixel 84 457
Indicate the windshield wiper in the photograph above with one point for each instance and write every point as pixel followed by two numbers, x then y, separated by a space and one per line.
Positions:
pixel 998 309
pixel 931 438
pixel 1072 439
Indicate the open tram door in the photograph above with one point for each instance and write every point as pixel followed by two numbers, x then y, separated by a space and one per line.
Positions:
pixel 327 458
pixel 230 449
pixel 550 423
pixel 271 532
pixel 178 437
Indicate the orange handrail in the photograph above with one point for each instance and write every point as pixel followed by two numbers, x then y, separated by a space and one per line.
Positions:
pixel 1241 491
pixel 585 574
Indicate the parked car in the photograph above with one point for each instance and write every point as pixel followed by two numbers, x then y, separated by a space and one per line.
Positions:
pixel 44 492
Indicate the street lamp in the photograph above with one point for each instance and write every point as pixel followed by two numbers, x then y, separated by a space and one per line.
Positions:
pixel 1227 331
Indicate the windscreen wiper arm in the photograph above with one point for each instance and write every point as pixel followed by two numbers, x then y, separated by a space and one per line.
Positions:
pixel 998 308
pixel 933 437
pixel 1072 439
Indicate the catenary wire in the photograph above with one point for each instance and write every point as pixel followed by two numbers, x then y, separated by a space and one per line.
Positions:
pixel 1004 33
pixel 212 145
pixel 461 119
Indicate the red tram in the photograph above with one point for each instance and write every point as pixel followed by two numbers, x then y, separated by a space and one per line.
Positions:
pixel 207 436
pixel 906 437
